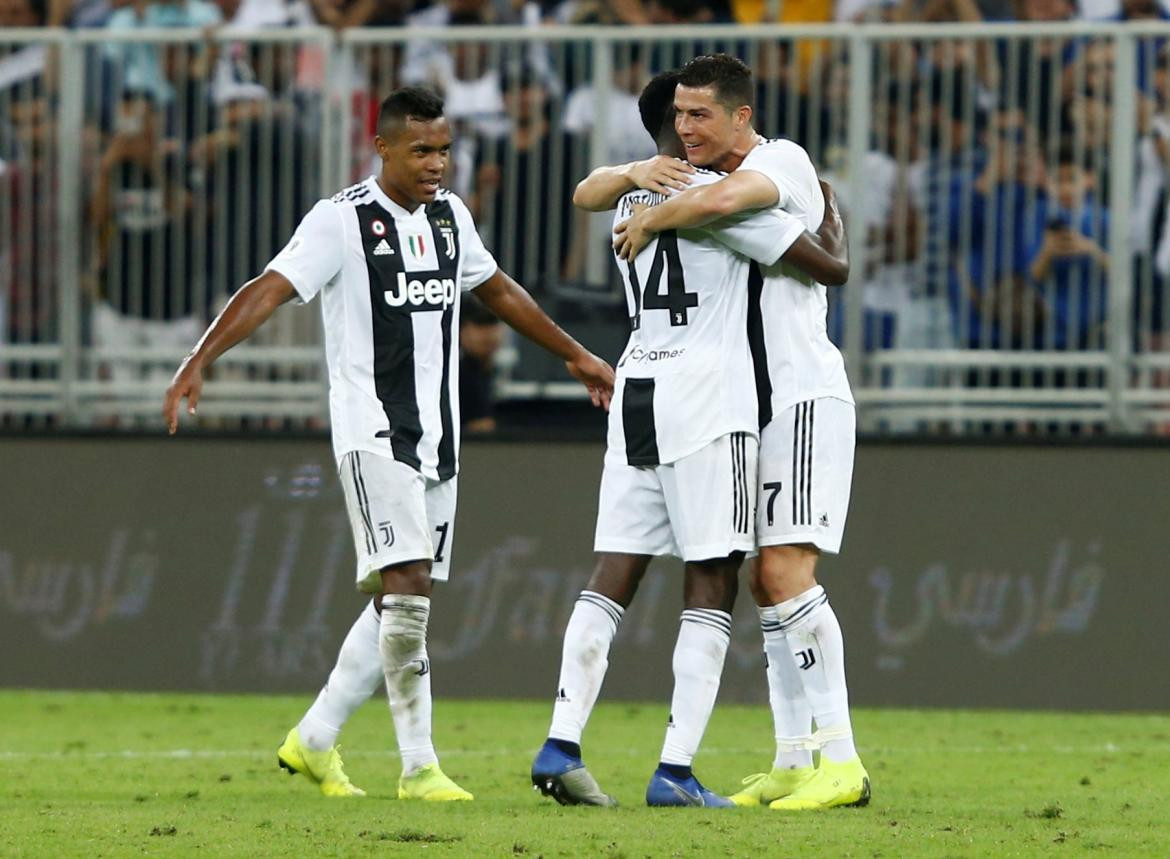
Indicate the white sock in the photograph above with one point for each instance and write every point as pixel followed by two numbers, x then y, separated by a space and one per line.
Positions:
pixel 818 652
pixel 791 714
pixel 703 636
pixel 403 644
pixel 584 659
pixel 354 678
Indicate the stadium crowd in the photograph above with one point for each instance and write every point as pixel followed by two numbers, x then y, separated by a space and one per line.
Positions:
pixel 985 213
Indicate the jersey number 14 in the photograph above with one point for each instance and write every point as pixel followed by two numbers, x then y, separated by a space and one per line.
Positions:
pixel 677 300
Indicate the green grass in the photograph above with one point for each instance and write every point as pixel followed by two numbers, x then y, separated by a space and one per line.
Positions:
pixel 181 775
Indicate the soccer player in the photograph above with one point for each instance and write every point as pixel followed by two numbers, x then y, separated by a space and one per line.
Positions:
pixel 807 437
pixel 390 257
pixel 679 475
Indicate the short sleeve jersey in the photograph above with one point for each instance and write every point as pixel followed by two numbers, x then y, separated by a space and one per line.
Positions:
pixel 802 362
pixel 686 375
pixel 390 281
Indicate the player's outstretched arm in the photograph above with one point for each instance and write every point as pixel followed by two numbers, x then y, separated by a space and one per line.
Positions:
pixel 243 314
pixel 601 189
pixel 824 255
pixel 512 303
pixel 739 192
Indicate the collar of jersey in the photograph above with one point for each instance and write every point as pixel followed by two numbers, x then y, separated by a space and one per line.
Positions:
pixel 388 204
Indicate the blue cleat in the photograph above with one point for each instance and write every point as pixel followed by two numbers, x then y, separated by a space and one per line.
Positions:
pixel 563 776
pixel 666 790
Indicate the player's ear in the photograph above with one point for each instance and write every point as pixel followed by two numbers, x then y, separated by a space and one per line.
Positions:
pixel 743 115
pixel 382 147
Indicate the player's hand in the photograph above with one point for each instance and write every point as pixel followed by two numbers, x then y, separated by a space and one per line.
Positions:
pixel 630 236
pixel 187 384
pixel 595 375
pixel 662 174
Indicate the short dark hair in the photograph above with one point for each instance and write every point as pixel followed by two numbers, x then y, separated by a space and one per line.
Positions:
pixel 656 103
pixel 730 77
pixel 412 102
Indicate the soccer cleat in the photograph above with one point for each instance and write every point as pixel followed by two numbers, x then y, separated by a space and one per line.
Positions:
pixel 763 788
pixel 832 785
pixel 665 790
pixel 564 778
pixel 431 784
pixel 321 768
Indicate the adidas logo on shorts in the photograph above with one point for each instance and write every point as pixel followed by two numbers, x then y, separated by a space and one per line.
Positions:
pixel 383 249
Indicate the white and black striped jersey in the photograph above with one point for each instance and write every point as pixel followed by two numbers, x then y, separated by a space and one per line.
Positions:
pixel 390 283
pixel 787 314
pixel 686 376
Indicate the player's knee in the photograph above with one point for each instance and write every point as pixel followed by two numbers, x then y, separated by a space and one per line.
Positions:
pixel 618 576
pixel 711 584
pixel 759 593
pixel 413 577
pixel 783 572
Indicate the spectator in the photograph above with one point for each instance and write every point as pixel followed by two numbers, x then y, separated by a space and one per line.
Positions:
pixel 480 338
pixel 888 217
pixel 28 283
pixel 522 196
pixel 430 63
pixel 141 212
pixel 621 108
pixel 140 65
pixel 1067 260
pixel 1034 70
pixel 993 302
pixel 952 160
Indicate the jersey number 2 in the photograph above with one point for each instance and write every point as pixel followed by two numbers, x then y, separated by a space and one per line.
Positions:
pixel 676 300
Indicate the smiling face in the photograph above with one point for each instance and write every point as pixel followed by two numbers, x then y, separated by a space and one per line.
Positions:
pixel 414 154
pixel 709 130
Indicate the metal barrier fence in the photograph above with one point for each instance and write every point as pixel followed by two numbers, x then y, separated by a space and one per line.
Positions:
pixel 1004 188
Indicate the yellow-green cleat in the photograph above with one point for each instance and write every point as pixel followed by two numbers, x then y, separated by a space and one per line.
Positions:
pixel 321 768
pixel 763 788
pixel 832 785
pixel 430 784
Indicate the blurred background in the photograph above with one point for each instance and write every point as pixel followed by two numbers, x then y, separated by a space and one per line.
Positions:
pixel 1002 167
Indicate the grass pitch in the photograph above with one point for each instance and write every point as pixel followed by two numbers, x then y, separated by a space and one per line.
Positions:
pixel 182 775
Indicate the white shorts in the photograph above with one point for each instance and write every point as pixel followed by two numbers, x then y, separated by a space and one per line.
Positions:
pixel 697 508
pixel 397 515
pixel 806 471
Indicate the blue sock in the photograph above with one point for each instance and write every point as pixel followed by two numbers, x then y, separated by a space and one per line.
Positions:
pixel 571 749
pixel 675 771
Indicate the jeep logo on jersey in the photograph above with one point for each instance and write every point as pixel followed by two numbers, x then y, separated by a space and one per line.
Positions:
pixel 430 294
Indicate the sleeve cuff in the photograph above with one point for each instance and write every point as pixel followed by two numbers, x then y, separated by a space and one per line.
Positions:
pixel 791 230
pixel 304 292
pixel 475 284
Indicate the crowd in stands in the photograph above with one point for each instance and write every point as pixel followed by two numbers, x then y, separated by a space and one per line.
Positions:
pixel 983 206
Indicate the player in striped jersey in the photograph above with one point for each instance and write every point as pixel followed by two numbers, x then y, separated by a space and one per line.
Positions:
pixel 680 467
pixel 807 437
pixel 390 257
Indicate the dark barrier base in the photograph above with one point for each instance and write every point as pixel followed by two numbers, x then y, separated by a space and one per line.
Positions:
pixel 1002 576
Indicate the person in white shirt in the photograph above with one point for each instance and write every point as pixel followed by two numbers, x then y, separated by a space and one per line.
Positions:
pixel 391 257
pixel 680 465
pixel 807 436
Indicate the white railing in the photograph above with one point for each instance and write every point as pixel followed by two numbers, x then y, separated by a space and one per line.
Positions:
pixel 958 134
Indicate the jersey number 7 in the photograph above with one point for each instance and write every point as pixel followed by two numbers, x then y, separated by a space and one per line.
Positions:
pixel 676 300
